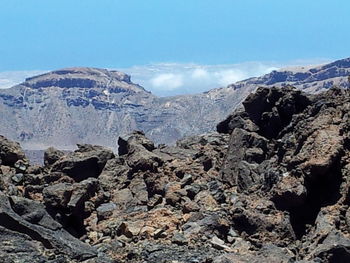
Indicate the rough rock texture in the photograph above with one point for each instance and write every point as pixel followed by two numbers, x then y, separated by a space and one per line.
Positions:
pixel 52 155
pixel 272 186
pixel 10 152
pixel 88 105
pixel 290 151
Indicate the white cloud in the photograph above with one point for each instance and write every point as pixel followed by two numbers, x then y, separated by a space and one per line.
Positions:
pixel 200 73
pixel 226 77
pixel 11 78
pixel 6 83
pixel 167 81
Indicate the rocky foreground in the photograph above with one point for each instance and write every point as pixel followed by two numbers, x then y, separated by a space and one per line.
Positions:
pixel 271 186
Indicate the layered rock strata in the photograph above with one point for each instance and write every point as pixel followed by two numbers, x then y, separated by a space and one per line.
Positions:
pixel 88 105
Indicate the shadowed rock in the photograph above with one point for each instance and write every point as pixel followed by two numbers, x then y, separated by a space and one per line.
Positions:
pixel 10 152
pixel 272 187
pixel 52 155
pixel 87 161
pixel 40 227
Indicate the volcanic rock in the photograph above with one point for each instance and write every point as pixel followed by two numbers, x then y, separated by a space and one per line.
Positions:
pixel 10 152
pixel 273 186
pixel 52 155
pixel 87 161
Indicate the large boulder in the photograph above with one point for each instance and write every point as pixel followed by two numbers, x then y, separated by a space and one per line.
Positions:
pixel 272 109
pixel 87 161
pixel 66 201
pixel 52 155
pixel 136 139
pixel 290 150
pixel 10 152
pixel 137 150
pixel 22 220
pixel 246 151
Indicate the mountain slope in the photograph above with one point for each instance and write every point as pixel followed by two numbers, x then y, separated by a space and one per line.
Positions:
pixel 71 105
pixel 88 105
pixel 310 79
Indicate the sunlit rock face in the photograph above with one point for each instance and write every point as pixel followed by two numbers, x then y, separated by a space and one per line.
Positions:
pixel 87 105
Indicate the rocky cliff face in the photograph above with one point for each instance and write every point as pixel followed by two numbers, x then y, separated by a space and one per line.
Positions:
pixel 272 186
pixel 86 105
pixel 72 105
pixel 309 79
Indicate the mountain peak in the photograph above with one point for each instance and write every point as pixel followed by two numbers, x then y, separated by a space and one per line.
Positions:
pixel 82 77
pixel 307 78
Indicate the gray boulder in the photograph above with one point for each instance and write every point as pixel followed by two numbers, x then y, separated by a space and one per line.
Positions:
pixel 10 152
pixel 19 222
pixel 87 161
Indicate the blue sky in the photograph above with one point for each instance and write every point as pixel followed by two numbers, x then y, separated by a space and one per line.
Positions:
pixel 122 34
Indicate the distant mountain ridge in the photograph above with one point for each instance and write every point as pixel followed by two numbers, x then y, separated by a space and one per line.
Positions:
pixel 89 105
pixel 310 79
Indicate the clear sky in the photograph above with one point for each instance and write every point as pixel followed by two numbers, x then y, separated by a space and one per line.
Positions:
pixel 51 34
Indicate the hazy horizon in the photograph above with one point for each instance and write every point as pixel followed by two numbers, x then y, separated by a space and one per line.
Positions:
pixel 170 48
pixel 168 79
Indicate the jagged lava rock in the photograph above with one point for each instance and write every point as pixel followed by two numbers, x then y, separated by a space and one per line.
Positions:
pixel 273 186
pixel 10 152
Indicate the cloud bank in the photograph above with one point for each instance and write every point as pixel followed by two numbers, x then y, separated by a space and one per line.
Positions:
pixel 9 79
pixel 168 79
